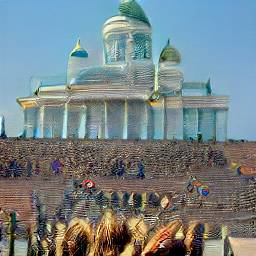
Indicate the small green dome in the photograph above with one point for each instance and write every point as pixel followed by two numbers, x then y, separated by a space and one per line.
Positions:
pixel 130 8
pixel 170 54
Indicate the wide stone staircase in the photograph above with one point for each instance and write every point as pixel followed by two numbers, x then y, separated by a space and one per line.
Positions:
pixel 16 195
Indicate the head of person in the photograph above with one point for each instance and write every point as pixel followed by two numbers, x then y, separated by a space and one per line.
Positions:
pixel 78 238
pixel 194 239
pixel 112 235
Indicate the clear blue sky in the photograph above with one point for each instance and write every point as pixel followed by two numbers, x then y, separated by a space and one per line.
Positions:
pixel 217 39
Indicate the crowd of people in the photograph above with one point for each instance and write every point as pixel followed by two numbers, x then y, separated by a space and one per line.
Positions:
pixel 120 168
pixel 110 234
pixel 114 236
pixel 14 168
pixel 98 158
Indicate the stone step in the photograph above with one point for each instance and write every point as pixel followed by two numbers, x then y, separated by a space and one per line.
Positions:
pixel 214 248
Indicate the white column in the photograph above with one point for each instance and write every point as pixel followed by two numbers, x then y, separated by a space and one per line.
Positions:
pixel 144 122
pixel 158 117
pixel 65 122
pixel 41 122
pixel 106 119
pixel 125 128
pixel 82 124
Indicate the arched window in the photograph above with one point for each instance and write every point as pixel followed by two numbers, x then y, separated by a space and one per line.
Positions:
pixel 115 47
pixel 142 47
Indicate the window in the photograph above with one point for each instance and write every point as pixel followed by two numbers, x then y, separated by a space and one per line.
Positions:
pixel 142 47
pixel 115 47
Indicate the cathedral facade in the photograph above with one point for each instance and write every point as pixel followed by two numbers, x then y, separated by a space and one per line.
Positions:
pixel 128 97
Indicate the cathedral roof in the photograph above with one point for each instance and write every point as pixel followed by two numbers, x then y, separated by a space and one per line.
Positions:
pixel 130 8
pixel 101 75
pixel 170 54
pixel 78 51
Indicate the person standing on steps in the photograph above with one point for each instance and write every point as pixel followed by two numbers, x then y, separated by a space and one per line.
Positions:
pixel 29 168
pixel 141 169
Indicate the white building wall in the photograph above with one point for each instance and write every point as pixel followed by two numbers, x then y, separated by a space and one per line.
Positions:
pixel 190 120
pixel 95 117
pixel 170 80
pixel 221 124
pixel 158 119
pixel 75 64
pixel 116 119
pixel 207 123
pixel 137 120
pixel 174 123
pixel 76 121
pixel 53 121
pixel 30 122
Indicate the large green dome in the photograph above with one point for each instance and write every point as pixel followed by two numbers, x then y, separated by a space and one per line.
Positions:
pixel 170 54
pixel 130 8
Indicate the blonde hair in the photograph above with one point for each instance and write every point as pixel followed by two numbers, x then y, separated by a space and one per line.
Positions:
pixel 78 238
pixel 194 238
pixel 112 236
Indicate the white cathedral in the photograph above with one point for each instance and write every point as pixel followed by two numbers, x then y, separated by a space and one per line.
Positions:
pixel 129 97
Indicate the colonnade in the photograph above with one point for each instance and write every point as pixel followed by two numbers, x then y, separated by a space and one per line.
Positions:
pixel 124 119
pixel 211 123
pixel 115 119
